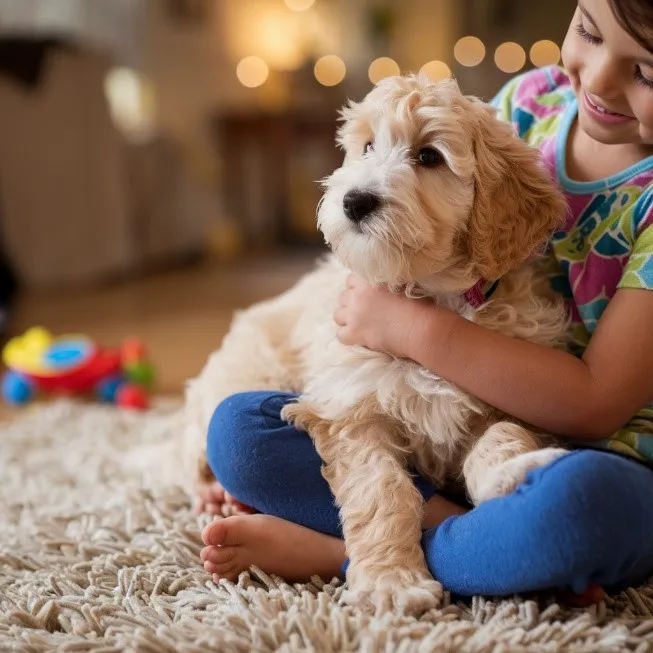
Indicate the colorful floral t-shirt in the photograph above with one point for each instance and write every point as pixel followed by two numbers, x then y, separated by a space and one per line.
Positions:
pixel 607 242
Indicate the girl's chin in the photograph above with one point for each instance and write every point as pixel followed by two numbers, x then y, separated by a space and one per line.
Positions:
pixel 610 134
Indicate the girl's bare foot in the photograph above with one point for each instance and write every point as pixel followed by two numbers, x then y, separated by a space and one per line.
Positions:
pixel 437 509
pixel 213 499
pixel 273 544
pixel 276 545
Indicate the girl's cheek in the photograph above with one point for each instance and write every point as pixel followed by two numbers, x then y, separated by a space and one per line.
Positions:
pixel 643 111
pixel 646 131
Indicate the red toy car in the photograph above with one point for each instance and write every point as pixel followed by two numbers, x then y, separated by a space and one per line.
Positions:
pixel 74 364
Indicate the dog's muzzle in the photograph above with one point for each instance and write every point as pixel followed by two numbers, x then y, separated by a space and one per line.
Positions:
pixel 360 204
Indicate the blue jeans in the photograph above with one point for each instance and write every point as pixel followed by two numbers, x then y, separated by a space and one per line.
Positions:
pixel 585 518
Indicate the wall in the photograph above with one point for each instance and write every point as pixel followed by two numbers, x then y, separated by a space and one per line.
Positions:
pixel 66 213
pixel 114 25
pixel 193 68
pixel 496 21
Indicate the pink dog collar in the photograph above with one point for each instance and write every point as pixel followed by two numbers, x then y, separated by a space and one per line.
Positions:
pixel 480 293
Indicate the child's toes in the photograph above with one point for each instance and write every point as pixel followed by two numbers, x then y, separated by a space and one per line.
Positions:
pixel 241 507
pixel 214 533
pixel 228 570
pixel 221 555
pixel 210 568
pixel 216 493
pixel 228 574
pixel 204 553
pixel 225 532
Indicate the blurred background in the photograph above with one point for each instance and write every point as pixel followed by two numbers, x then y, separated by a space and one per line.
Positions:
pixel 159 158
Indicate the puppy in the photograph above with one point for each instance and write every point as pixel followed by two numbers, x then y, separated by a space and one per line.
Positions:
pixel 435 198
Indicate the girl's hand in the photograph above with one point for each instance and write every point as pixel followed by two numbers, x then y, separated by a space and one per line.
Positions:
pixel 375 318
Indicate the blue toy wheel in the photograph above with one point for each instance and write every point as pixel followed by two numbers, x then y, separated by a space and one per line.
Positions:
pixel 17 389
pixel 107 388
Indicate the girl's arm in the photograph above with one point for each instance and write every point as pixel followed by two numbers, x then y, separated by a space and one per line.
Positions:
pixel 586 399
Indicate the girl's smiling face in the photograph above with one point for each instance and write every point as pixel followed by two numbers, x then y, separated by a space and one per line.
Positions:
pixel 612 76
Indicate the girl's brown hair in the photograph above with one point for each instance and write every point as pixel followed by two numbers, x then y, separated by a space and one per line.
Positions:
pixel 636 18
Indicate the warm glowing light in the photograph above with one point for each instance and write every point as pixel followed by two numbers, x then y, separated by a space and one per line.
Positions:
pixel 510 57
pixel 299 5
pixel 469 51
pixel 381 68
pixel 252 72
pixel 545 53
pixel 278 39
pixel 436 70
pixel 131 101
pixel 266 30
pixel 330 70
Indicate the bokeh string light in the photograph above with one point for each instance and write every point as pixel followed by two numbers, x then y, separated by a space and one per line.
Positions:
pixel 469 51
pixel 436 70
pixel 544 53
pixel 330 70
pixel 252 72
pixel 510 57
pixel 381 68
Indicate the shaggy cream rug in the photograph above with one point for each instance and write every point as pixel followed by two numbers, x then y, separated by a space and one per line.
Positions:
pixel 96 554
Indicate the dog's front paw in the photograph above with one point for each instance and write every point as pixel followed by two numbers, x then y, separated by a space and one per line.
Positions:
pixel 402 592
pixel 301 415
pixel 507 477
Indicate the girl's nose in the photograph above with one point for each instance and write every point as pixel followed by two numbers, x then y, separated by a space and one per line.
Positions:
pixel 603 79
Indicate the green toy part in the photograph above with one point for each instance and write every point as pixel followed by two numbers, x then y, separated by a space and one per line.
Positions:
pixel 141 373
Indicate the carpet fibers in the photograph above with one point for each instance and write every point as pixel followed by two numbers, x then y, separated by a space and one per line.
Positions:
pixel 98 554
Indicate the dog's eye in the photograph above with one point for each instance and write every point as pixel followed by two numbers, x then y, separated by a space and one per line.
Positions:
pixel 368 147
pixel 427 156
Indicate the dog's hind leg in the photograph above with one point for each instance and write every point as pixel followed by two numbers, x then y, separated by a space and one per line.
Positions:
pixel 500 460
pixel 255 355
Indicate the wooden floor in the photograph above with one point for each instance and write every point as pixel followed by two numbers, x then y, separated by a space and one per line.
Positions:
pixel 181 315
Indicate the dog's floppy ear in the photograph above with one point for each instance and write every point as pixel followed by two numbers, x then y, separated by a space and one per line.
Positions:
pixel 354 130
pixel 516 205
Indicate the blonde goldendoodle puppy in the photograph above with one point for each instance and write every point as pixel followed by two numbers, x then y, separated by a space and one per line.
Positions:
pixel 436 198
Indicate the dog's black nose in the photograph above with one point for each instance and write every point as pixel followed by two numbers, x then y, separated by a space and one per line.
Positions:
pixel 359 204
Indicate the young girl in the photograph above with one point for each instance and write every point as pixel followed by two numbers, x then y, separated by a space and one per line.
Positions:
pixel 586 519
